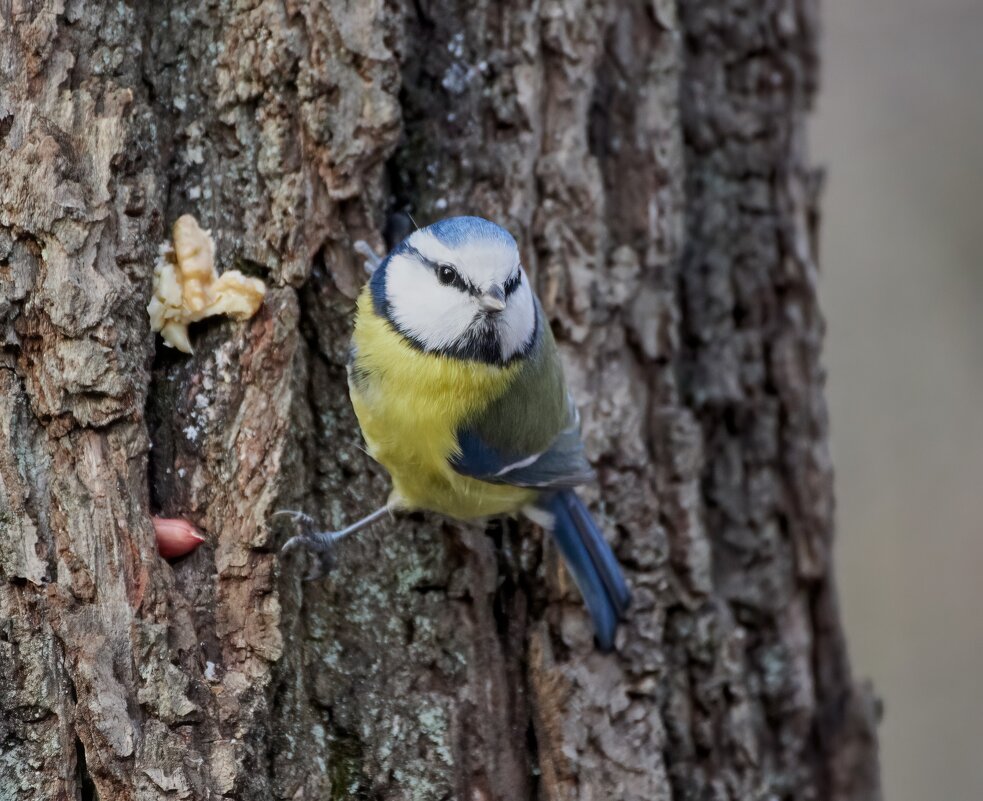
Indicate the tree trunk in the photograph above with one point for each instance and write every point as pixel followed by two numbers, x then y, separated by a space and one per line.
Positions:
pixel 650 161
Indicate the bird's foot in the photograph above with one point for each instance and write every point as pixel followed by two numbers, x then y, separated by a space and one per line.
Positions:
pixel 320 544
pixel 372 259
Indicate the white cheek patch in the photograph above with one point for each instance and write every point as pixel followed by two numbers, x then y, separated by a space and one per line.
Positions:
pixel 433 314
pixel 518 322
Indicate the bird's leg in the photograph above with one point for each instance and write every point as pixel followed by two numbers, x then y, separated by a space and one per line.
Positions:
pixel 372 259
pixel 321 543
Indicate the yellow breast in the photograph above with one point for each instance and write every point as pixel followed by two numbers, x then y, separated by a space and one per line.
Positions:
pixel 410 405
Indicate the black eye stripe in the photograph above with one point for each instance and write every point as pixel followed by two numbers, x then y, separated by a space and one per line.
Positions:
pixel 444 271
pixel 513 283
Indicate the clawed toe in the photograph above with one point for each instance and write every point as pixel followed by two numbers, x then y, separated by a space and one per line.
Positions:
pixel 319 547
pixel 302 520
pixel 372 259
pixel 317 543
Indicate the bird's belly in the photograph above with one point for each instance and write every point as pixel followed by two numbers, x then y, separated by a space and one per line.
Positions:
pixel 410 406
pixel 415 445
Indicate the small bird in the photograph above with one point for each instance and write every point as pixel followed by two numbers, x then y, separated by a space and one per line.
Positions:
pixel 458 388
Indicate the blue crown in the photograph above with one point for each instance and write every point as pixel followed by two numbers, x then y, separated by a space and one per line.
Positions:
pixel 452 232
pixel 456 231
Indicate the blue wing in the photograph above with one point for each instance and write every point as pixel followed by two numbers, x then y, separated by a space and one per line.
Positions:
pixel 562 463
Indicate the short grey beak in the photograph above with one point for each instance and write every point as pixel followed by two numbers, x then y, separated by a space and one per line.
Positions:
pixel 493 299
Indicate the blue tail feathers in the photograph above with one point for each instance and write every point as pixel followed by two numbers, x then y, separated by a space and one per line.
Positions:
pixel 591 562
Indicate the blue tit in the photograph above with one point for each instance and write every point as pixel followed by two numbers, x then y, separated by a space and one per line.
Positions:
pixel 457 385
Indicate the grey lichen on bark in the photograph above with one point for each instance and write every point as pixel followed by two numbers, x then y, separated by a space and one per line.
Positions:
pixel 650 160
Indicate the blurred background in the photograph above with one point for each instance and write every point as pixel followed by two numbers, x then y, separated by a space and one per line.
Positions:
pixel 900 129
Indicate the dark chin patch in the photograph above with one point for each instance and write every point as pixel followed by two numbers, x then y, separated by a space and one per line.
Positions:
pixel 480 344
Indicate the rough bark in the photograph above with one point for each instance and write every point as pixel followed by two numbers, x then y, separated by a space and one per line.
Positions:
pixel 650 160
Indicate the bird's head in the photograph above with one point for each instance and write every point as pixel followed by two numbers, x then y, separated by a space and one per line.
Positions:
pixel 457 288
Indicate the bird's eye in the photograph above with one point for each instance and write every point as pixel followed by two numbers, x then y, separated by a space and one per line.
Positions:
pixel 446 274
